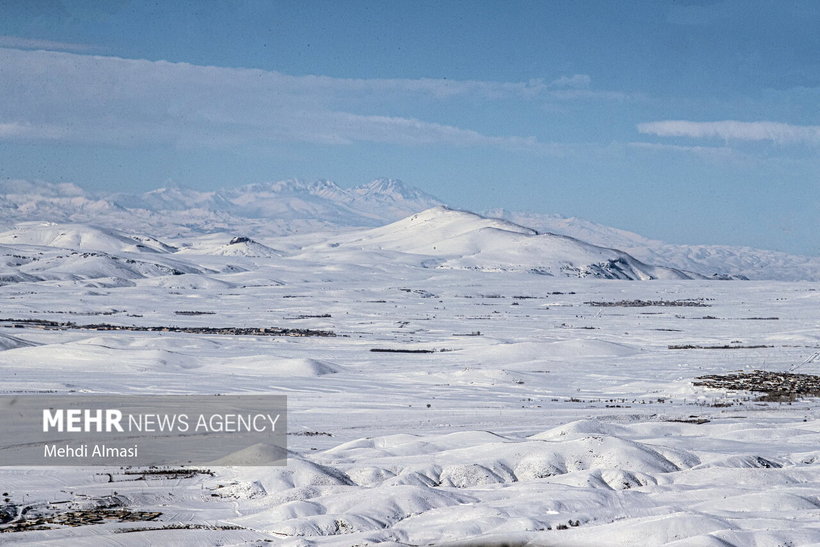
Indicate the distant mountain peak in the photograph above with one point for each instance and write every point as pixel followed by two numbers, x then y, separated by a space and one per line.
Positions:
pixel 394 189
pixel 279 186
pixel 324 184
pixel 329 190
pixel 296 206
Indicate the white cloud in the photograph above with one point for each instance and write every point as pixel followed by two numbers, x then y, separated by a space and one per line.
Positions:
pixel 576 81
pixel 721 152
pixel 589 94
pixel 40 188
pixel 31 43
pixel 84 98
pixel 25 130
pixel 780 133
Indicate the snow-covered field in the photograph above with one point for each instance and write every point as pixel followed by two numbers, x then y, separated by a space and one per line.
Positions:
pixel 551 409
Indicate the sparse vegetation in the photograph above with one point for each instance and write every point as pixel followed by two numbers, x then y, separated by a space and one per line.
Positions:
pixel 690 420
pixel 687 303
pixel 179 526
pixel 392 350
pixel 231 331
pixel 724 346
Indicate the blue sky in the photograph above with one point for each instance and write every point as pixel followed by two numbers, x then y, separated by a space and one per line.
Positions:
pixel 689 121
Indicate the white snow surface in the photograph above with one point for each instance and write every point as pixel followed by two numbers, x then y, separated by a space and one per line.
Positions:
pixel 80 237
pixel 243 246
pixel 257 210
pixel 538 417
pixel 462 240
pixel 273 209
pixel 706 260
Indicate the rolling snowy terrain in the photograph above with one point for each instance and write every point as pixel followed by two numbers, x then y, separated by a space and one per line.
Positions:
pixel 538 389
pixel 269 210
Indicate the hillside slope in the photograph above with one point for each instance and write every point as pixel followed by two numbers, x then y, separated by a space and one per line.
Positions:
pixel 451 239
pixel 707 260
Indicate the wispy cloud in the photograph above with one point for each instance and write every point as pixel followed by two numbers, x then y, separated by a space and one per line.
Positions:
pixel 780 133
pixel 594 95
pixel 33 43
pixel 576 81
pixel 85 98
pixel 345 128
pixel 26 130
pixel 715 152
pixel 40 188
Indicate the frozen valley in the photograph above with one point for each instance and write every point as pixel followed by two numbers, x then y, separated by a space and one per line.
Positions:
pixel 539 389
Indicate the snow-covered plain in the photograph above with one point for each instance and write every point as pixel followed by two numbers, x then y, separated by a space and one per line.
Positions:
pixel 540 416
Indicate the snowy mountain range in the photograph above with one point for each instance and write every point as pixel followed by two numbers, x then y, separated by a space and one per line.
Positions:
pixel 264 209
pixel 703 259
pixel 256 213
pixel 461 240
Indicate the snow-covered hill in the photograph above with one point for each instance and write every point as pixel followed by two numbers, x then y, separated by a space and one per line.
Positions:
pixel 707 260
pixel 30 263
pixel 271 209
pixel 46 251
pixel 451 239
pixel 464 397
pixel 81 237
pixel 245 246
pixel 499 408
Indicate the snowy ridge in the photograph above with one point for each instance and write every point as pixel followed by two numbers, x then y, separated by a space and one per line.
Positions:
pixel 439 237
pixel 38 251
pixel 29 263
pixel 272 209
pixel 369 204
pixel 81 237
pixel 464 240
pixel 173 199
pixel 244 246
pixel 260 210
pixel 707 260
